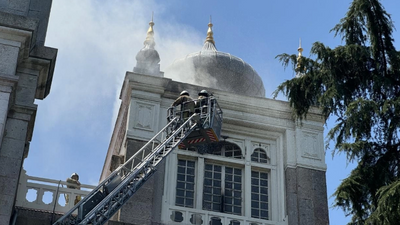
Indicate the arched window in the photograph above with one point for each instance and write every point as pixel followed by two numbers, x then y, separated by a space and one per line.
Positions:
pixel 229 150
pixel 259 155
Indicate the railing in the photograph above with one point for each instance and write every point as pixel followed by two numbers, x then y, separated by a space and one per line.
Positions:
pixel 47 194
pixel 180 215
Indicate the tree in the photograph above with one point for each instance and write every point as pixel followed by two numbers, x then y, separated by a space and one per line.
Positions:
pixel 359 84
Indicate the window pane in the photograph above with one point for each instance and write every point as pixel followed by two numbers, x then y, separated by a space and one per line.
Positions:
pixel 264 176
pixel 190 171
pixel 190 164
pixel 233 187
pixel 259 155
pixel 259 195
pixel 207 197
pixel 190 179
pixel 181 169
pixel 264 182
pixel 212 188
pixel 190 186
pixel 232 151
pixel 189 194
pixel 180 185
pixel 255 213
pixel 180 192
pixel 264 190
pixel 238 172
pixel 179 201
pixel 237 210
pixel 254 181
pixel 185 183
pixel 238 178
pixel 188 202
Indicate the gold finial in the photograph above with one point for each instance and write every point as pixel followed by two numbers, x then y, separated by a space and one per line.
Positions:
pixel 210 33
pixel 300 49
pixel 150 34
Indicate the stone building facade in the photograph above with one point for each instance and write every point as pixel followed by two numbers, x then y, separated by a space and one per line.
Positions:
pixel 26 72
pixel 267 170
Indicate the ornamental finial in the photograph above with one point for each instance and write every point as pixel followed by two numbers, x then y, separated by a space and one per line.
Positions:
pixel 150 34
pixel 210 33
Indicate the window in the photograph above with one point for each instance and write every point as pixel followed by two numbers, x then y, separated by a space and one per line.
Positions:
pixel 259 155
pixel 222 189
pixel 228 150
pixel 185 183
pixel 259 195
pixel 218 172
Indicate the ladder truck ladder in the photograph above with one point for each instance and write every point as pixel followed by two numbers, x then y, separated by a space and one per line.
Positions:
pixel 112 193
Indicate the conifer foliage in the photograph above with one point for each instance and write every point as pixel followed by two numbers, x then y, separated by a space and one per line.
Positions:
pixel 359 84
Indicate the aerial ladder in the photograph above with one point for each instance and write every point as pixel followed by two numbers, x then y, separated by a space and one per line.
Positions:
pixel 199 128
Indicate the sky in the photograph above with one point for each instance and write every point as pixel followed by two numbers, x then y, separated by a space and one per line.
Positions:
pixel 97 42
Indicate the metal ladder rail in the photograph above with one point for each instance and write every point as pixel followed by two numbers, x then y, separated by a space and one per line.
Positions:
pixel 117 198
pixel 69 218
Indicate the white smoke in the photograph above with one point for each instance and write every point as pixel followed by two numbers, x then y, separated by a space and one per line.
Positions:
pixel 97 43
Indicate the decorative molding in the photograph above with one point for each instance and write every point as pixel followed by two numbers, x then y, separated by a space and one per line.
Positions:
pixel 144 114
pixel 309 145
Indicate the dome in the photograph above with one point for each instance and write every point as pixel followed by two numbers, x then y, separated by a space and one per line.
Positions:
pixel 218 70
pixel 149 55
pixel 148 59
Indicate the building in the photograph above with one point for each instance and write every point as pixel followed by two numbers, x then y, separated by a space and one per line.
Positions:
pixel 26 72
pixel 268 169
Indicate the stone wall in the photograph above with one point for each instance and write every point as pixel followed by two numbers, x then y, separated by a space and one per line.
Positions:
pixel 306 197
pixel 145 206
pixel 38 10
pixel 26 71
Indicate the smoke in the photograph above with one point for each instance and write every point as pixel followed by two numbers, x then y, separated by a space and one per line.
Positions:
pixel 97 43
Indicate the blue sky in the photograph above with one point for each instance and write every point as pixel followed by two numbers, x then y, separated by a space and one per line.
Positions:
pixel 98 42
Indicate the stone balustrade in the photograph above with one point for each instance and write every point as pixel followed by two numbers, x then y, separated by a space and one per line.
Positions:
pixel 47 194
pixel 182 215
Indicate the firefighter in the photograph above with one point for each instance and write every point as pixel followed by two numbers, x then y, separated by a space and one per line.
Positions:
pixel 74 180
pixel 186 103
pixel 201 100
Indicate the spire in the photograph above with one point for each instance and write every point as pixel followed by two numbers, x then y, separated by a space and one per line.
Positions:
pixel 150 34
pixel 299 59
pixel 300 49
pixel 148 59
pixel 209 44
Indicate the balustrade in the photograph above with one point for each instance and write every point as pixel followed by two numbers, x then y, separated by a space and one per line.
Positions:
pixel 47 194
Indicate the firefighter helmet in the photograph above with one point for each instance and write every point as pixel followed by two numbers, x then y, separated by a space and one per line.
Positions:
pixel 184 93
pixel 203 93
pixel 75 174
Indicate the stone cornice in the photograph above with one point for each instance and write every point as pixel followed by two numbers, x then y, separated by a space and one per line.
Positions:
pixel 16 36
pixel 40 58
pixel 7 82
pixel 228 101
pixel 21 23
pixel 147 83
pixel 43 53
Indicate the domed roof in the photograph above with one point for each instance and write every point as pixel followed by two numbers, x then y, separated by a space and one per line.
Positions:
pixel 212 68
pixel 149 55
pixel 148 59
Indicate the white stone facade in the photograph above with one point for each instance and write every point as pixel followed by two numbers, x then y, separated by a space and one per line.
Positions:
pixel 250 123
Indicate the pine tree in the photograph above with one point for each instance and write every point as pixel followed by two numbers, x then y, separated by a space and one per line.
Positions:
pixel 359 85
